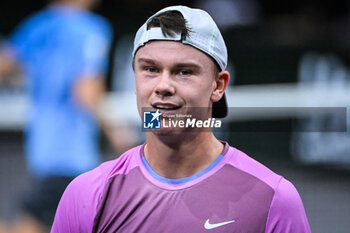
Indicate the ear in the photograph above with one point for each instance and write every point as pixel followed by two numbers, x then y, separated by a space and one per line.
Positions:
pixel 221 82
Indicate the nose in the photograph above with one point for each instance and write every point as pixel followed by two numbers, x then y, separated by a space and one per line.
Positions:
pixel 165 86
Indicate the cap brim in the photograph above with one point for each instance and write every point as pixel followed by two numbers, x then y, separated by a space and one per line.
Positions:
pixel 220 108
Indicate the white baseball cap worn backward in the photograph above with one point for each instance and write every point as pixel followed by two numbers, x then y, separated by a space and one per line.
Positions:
pixel 203 35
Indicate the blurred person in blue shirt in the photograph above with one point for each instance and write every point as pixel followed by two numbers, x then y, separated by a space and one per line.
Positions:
pixel 63 52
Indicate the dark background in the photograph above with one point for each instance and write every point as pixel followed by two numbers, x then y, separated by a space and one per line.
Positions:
pixel 276 40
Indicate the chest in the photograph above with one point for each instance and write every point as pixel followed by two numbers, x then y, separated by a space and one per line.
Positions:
pixel 218 204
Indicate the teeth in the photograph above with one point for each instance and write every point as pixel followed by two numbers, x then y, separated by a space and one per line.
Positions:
pixel 164 106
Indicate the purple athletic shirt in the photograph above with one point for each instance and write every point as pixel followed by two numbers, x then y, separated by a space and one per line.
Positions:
pixel 234 194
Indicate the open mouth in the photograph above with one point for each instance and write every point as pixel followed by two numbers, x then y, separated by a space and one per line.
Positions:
pixel 166 107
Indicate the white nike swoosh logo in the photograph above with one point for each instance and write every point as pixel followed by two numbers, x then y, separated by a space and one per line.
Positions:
pixel 209 226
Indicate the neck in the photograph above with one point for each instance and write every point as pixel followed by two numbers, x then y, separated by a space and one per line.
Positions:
pixel 181 158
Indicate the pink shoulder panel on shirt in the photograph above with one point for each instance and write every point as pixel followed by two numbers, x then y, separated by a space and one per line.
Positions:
pixel 78 205
pixel 245 163
pixel 287 214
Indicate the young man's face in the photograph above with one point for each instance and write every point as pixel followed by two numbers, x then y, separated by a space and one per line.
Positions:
pixel 174 78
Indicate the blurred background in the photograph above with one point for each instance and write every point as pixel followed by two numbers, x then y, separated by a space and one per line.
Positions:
pixel 285 59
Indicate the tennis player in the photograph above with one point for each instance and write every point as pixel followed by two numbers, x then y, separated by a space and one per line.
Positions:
pixel 180 179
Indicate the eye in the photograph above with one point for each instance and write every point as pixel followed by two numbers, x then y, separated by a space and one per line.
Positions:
pixel 151 69
pixel 185 72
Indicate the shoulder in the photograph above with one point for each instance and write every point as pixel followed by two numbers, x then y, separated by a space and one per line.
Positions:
pixel 99 20
pixel 89 32
pixel 31 22
pixel 283 189
pixel 88 187
pixel 25 33
pixel 286 211
pixel 97 178
pixel 78 205
pixel 36 17
pixel 243 162
pixel 93 23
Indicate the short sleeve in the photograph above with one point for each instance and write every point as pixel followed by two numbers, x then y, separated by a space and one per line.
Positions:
pixel 287 213
pixel 78 204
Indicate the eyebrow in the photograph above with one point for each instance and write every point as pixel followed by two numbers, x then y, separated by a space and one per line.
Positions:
pixel 187 65
pixel 145 60
pixel 177 65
